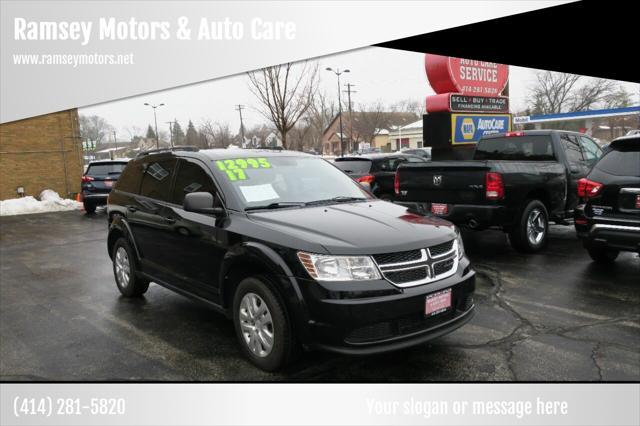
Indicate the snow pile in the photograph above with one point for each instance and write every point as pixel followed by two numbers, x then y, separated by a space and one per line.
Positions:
pixel 50 201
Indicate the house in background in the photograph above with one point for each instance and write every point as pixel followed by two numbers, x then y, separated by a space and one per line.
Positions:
pixel 408 136
pixel 364 128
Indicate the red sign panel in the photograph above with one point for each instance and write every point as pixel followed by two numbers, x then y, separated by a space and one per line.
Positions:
pixel 466 76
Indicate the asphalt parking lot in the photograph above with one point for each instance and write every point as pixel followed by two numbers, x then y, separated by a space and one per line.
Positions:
pixel 554 316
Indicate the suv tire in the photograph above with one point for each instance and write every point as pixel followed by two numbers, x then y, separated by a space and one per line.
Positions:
pixel 262 326
pixel 125 270
pixel 89 208
pixel 529 235
pixel 603 254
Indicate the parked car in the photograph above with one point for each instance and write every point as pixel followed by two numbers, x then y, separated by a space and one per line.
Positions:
pixel 98 181
pixel 420 152
pixel 517 182
pixel 608 217
pixel 291 249
pixel 376 171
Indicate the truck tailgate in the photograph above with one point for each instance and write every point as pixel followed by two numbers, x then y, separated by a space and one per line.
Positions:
pixel 450 182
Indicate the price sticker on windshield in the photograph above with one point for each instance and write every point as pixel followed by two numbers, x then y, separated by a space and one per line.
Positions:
pixel 235 167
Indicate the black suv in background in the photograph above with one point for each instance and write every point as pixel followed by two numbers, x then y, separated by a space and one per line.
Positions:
pixel 97 182
pixel 608 218
pixel 376 171
pixel 290 248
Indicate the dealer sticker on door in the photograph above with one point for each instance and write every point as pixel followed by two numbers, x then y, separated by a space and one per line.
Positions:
pixel 437 303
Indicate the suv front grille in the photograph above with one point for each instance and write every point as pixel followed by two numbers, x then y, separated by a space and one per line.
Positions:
pixel 408 275
pixel 440 249
pixel 416 267
pixel 401 257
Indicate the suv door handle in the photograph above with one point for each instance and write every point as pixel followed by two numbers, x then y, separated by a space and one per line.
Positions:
pixel 169 220
pixel 132 209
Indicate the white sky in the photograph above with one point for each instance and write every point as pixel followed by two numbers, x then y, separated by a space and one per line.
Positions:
pixel 379 74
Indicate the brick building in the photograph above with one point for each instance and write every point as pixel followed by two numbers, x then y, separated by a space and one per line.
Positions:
pixel 41 152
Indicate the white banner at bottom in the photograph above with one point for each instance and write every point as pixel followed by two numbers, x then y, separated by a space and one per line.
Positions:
pixel 319 404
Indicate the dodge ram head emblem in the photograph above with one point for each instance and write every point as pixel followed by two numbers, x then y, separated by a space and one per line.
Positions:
pixel 437 180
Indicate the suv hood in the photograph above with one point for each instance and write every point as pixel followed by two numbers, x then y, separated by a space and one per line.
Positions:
pixel 351 228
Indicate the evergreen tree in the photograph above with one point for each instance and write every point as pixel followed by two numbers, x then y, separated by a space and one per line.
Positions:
pixel 178 134
pixel 192 138
pixel 150 133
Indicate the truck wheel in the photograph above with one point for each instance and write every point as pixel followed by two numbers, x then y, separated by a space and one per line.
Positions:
pixel 89 208
pixel 529 235
pixel 262 326
pixel 603 254
pixel 124 270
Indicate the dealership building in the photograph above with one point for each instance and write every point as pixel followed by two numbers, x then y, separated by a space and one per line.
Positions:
pixel 40 153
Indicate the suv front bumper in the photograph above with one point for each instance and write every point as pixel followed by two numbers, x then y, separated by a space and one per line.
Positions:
pixel 367 325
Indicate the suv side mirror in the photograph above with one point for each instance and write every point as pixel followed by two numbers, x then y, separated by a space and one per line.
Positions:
pixel 201 202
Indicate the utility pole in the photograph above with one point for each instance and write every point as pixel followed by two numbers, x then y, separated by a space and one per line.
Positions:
pixel 349 92
pixel 115 141
pixel 239 108
pixel 170 123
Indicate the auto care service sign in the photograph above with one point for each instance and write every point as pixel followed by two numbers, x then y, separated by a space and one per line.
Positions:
pixel 447 74
pixel 469 128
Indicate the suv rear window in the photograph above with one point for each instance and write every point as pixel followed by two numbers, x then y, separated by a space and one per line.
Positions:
pixel 353 166
pixel 105 169
pixel 515 148
pixel 620 163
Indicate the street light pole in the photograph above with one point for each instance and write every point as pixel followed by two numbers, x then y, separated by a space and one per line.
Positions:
pixel 155 119
pixel 337 72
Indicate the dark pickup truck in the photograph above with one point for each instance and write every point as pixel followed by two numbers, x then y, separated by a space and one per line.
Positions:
pixel 517 181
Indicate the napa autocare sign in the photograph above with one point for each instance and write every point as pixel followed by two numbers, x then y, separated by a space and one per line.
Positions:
pixel 469 128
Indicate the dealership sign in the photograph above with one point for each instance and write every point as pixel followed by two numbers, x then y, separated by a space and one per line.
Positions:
pixel 469 128
pixel 447 74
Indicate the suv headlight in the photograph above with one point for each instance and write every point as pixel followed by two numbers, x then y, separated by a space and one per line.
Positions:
pixel 339 268
pixel 460 243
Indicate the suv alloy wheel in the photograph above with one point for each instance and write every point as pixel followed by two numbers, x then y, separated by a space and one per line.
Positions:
pixel 261 324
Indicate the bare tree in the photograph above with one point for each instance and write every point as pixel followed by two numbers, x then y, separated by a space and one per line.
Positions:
pixel 320 114
pixel 555 92
pixel 285 94
pixel 373 118
pixel 413 106
pixel 217 134
pixel 368 122
pixel 94 128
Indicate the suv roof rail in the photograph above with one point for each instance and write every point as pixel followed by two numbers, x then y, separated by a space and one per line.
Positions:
pixel 172 149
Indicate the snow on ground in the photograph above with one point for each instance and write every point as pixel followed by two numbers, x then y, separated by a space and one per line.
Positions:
pixel 49 201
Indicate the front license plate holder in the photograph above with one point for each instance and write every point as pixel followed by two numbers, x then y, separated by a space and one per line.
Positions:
pixel 437 303
pixel 439 209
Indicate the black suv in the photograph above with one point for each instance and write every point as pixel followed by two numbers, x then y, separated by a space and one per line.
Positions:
pixel 608 218
pixel 376 171
pixel 295 252
pixel 97 182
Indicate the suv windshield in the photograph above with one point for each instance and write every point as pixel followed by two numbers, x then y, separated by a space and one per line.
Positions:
pixel 105 169
pixel 272 182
